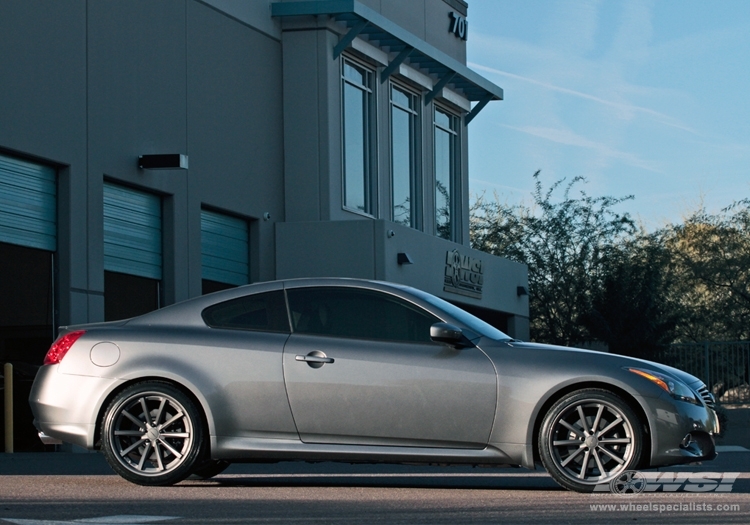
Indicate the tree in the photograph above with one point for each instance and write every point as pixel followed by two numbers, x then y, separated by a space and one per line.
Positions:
pixel 632 310
pixel 565 243
pixel 711 253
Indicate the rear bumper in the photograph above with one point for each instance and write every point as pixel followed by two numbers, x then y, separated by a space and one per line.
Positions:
pixel 65 407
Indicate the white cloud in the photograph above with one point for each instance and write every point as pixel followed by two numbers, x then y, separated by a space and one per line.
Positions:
pixel 569 138
pixel 625 108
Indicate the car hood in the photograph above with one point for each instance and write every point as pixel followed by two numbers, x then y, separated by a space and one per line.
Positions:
pixel 615 359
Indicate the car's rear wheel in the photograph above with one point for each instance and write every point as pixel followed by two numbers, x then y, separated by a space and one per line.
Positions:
pixel 588 438
pixel 152 434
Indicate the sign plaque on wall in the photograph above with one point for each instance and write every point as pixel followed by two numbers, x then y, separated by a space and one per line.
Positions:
pixel 463 274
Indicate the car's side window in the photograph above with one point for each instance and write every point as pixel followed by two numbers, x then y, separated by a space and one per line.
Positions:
pixel 357 313
pixel 263 311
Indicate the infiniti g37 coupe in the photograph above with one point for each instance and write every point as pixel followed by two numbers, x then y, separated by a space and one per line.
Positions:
pixel 357 371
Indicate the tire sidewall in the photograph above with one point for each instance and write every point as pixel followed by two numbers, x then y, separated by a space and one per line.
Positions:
pixel 561 406
pixel 191 458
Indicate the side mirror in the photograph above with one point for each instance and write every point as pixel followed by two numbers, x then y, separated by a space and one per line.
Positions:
pixel 448 334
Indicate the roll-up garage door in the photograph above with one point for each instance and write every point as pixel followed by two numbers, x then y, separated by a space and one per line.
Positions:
pixel 132 232
pixel 28 204
pixel 224 248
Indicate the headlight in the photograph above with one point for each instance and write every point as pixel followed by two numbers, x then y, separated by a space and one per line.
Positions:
pixel 676 389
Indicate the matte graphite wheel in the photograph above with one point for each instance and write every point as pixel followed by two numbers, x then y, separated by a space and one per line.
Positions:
pixel 589 437
pixel 152 434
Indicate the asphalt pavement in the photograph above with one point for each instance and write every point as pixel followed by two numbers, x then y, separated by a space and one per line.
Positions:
pixel 57 488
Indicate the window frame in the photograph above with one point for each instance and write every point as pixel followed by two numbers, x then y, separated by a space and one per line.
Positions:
pixel 415 149
pixel 454 164
pixel 369 150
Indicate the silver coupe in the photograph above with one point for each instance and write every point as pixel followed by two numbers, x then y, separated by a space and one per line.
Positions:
pixel 357 371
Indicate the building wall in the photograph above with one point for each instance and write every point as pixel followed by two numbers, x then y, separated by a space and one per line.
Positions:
pixel 372 246
pixel 257 110
pixel 90 86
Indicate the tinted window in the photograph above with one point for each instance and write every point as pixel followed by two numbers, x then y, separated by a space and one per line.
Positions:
pixel 464 317
pixel 349 312
pixel 263 311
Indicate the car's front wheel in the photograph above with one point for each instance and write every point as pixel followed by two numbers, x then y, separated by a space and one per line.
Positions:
pixel 152 434
pixel 588 438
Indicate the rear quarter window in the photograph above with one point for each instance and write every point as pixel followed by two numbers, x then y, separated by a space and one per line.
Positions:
pixel 264 312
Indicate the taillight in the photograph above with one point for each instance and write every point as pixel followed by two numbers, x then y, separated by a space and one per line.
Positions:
pixel 60 347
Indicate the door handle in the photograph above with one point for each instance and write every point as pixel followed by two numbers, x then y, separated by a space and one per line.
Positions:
pixel 315 359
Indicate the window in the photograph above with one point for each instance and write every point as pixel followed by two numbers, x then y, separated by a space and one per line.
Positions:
pixel 404 140
pixel 446 173
pixel 357 131
pixel 348 312
pixel 263 311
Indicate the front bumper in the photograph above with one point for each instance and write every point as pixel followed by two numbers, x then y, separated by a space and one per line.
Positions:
pixel 681 432
pixel 65 407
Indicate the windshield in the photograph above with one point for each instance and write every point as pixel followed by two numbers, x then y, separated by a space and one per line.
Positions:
pixel 472 323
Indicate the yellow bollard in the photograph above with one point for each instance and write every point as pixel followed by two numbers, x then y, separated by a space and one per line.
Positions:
pixel 8 372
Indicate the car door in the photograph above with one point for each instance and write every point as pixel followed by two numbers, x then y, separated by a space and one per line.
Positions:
pixel 360 369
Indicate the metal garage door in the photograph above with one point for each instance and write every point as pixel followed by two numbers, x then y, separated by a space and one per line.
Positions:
pixel 132 232
pixel 224 248
pixel 28 204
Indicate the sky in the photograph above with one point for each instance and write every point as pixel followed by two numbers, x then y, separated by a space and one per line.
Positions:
pixel 643 98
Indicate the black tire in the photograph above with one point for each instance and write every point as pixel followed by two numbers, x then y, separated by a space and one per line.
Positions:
pixel 588 438
pixel 152 434
pixel 209 468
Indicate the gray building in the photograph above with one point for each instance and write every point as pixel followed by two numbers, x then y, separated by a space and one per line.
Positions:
pixel 154 151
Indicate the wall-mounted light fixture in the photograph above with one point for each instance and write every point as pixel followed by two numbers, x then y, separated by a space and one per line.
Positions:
pixel 170 161
pixel 403 258
pixel 521 290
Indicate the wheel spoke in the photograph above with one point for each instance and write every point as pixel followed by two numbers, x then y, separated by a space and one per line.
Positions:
pixel 567 442
pixel 571 428
pixel 157 453
pixel 174 418
pixel 571 457
pixel 133 446
pixel 146 414
pixel 174 435
pixel 159 412
pixel 599 465
pixel 132 418
pixel 146 450
pixel 610 454
pixel 584 426
pixel 169 447
pixel 615 441
pixel 136 433
pixel 585 465
pixel 609 427
pixel 597 419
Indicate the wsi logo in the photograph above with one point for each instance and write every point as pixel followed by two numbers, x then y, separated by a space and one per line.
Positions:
pixel 635 482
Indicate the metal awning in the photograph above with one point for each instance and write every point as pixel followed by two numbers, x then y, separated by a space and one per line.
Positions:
pixel 363 21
